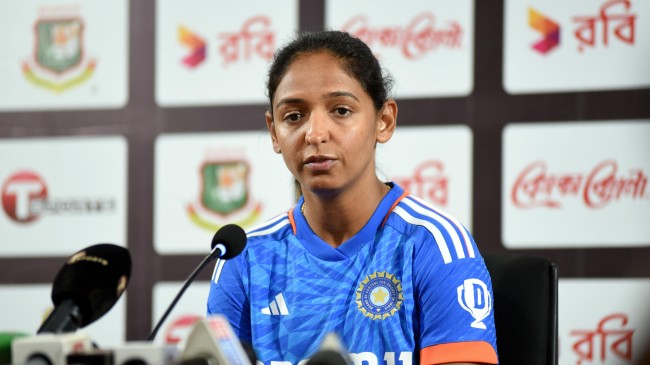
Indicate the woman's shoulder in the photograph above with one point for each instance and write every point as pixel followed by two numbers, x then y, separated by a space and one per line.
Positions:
pixel 430 225
pixel 273 229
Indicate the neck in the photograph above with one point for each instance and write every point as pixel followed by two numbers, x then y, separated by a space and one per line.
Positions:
pixel 336 218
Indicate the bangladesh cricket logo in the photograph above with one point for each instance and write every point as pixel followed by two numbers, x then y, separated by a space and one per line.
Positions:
pixel 59 62
pixel 224 196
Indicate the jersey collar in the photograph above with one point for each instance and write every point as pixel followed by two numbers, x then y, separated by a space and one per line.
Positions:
pixel 319 248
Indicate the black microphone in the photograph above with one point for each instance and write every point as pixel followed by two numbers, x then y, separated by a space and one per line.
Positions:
pixel 331 352
pixel 87 286
pixel 228 242
pixel 327 357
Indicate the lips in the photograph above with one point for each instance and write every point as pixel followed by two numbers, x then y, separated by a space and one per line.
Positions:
pixel 319 162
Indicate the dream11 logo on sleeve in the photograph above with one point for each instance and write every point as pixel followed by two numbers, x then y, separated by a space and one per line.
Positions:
pixel 475 298
pixel 25 198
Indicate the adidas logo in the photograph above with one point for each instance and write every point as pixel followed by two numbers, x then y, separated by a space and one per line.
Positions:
pixel 277 307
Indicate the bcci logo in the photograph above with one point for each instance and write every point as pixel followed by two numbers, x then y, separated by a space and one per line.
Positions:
pixel 58 62
pixel 224 193
pixel 379 295
pixel 475 298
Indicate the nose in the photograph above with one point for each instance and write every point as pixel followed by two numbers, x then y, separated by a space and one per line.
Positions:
pixel 317 130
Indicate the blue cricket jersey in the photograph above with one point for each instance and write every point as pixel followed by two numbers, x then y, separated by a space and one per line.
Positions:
pixel 409 288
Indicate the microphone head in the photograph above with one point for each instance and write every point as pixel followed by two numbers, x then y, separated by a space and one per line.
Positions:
pixel 232 237
pixel 327 357
pixel 93 279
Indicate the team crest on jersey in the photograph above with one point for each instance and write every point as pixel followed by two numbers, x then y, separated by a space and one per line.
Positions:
pixel 379 295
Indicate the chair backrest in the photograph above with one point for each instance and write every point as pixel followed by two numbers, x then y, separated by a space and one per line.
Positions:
pixel 525 308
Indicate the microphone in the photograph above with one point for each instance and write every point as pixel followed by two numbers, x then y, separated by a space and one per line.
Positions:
pixel 327 357
pixel 87 286
pixel 49 348
pixel 213 342
pixel 331 352
pixel 228 242
pixel 6 338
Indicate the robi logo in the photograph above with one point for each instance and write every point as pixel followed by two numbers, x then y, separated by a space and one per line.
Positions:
pixel 19 192
pixel 549 29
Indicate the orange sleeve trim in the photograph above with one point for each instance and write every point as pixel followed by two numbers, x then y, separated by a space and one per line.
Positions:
pixel 474 351
pixel 292 221
pixel 394 205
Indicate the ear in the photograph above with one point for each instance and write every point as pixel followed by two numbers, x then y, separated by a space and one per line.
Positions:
pixel 271 126
pixel 387 121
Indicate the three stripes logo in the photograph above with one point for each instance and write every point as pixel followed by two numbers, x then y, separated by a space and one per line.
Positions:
pixel 277 307
pixel 549 29
pixel 196 45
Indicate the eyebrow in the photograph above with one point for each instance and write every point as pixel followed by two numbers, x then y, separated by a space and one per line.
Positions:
pixel 336 94
pixel 289 101
pixel 333 94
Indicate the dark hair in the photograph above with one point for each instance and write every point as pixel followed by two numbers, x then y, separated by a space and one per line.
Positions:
pixel 356 60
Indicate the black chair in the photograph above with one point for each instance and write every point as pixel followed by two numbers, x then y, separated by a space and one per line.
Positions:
pixel 525 308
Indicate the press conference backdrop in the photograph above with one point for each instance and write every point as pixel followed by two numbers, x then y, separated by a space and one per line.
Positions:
pixel 529 120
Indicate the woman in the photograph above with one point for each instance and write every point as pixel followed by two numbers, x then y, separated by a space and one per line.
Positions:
pixel 396 279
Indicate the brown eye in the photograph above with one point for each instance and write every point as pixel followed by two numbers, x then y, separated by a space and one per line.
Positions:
pixel 343 112
pixel 293 117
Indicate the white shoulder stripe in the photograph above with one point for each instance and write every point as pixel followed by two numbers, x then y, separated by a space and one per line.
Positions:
pixel 459 226
pixel 271 229
pixel 268 223
pixel 440 240
pixel 455 239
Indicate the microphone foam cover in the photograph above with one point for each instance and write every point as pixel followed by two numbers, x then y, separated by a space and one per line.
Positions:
pixel 327 357
pixel 93 278
pixel 232 237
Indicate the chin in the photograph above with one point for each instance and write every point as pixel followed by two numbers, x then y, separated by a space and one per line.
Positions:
pixel 321 186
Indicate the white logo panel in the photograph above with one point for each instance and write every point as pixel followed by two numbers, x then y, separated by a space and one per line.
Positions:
pixel 603 321
pixel 574 46
pixel 211 53
pixel 204 181
pixel 576 184
pixel 433 163
pixel 59 195
pixel 70 55
pixel 30 304
pixel 428 46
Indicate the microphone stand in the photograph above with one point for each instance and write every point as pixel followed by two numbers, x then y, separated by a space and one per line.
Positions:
pixel 220 249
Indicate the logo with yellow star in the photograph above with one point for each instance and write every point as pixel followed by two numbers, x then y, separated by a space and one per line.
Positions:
pixel 379 295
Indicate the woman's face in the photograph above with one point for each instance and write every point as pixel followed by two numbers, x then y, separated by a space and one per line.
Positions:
pixel 325 125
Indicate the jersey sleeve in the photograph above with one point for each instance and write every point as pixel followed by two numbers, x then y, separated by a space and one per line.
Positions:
pixel 454 300
pixel 228 297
